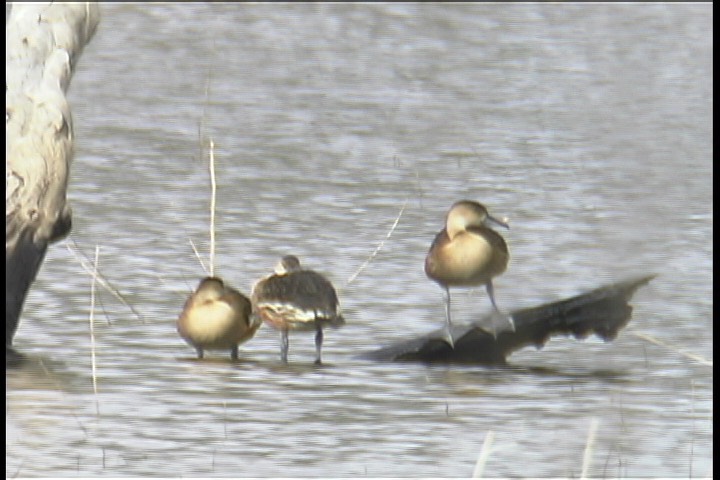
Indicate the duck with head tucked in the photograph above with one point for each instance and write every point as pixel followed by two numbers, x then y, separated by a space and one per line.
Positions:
pixel 296 299
pixel 216 317
pixel 467 253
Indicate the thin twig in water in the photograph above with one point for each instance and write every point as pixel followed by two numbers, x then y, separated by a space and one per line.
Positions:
pixel 225 419
pixel 692 432
pixel 213 187
pixel 17 471
pixel 379 247
pixel 103 310
pixel 691 356
pixel 484 455
pixel 60 389
pixel 85 263
pixel 181 296
pixel 197 254
pixel 92 328
pixel 587 456
pixel 418 187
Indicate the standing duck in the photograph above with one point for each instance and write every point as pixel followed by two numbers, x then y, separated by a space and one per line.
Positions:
pixel 467 253
pixel 296 299
pixel 216 317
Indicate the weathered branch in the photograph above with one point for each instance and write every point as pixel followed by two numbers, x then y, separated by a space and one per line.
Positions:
pixel 44 42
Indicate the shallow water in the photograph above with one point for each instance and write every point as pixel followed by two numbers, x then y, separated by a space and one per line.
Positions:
pixel 588 126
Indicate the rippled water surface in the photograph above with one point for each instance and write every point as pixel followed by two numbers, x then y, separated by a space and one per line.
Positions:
pixel 589 126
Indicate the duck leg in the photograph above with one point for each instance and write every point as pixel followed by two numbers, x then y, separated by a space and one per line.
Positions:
pixel 448 322
pixel 234 352
pixel 284 345
pixel 491 293
pixel 200 352
pixel 318 344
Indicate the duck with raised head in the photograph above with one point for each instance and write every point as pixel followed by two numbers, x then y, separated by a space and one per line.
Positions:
pixel 468 253
pixel 216 317
pixel 294 298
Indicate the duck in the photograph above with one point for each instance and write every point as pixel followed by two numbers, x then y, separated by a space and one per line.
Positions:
pixel 294 298
pixel 468 253
pixel 217 317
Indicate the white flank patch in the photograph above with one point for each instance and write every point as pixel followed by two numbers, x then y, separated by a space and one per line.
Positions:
pixel 292 313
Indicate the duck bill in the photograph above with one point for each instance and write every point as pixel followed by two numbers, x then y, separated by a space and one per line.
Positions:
pixel 498 222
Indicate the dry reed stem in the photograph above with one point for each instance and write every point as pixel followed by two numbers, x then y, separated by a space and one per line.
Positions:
pixel 213 187
pixel 197 255
pixel 484 455
pixel 84 262
pixel 587 455
pixel 92 328
pixel 213 197
pixel 202 124
pixel 379 247
pixel 691 356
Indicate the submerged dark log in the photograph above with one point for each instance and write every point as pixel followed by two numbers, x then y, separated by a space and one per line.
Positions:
pixel 602 312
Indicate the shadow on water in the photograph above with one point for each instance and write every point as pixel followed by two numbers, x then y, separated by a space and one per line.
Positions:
pixel 526 375
pixel 273 366
pixel 24 371
pixel 570 374
pixel 208 360
pixel 37 385
pixel 13 358
pixel 27 371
